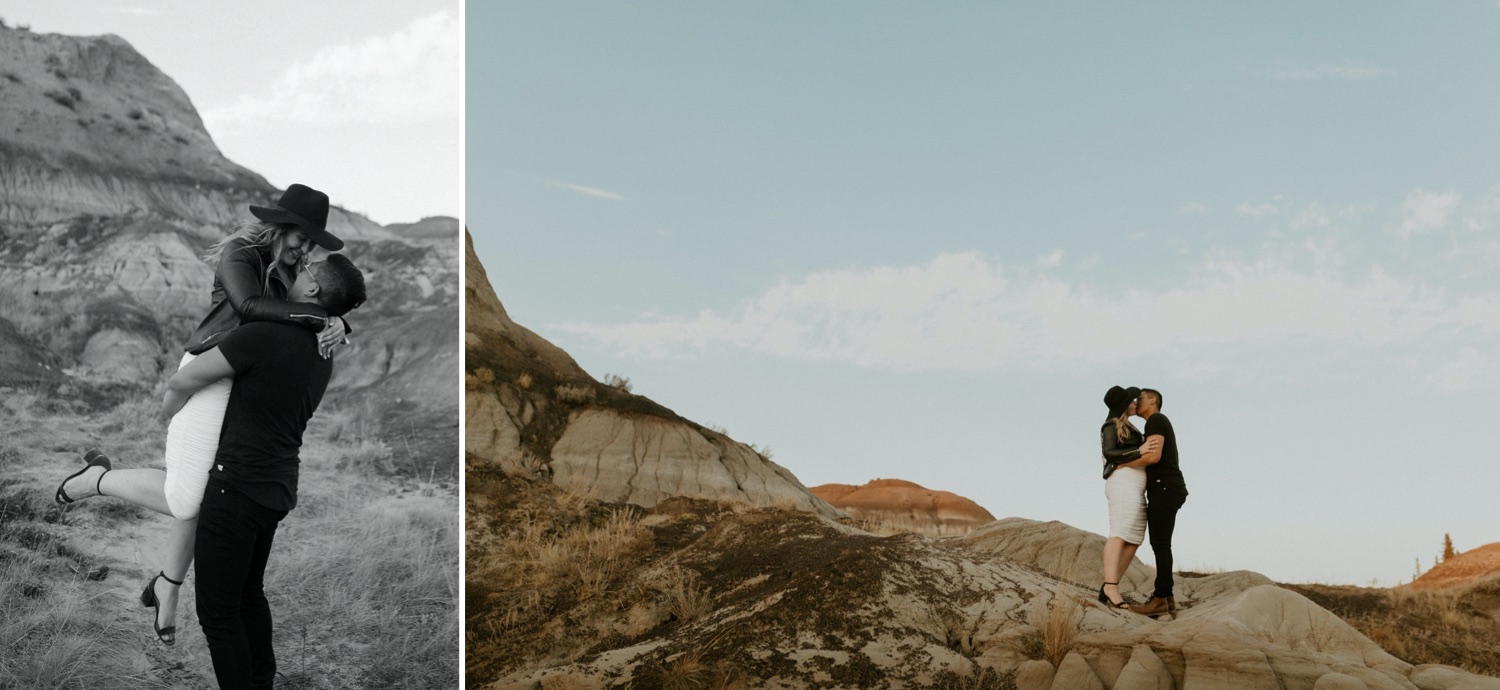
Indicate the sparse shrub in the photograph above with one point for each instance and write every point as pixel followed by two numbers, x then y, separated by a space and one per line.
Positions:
pixel 523 381
pixel 688 671
pixel 681 594
pixel 617 382
pixel 982 678
pixel 482 376
pixel 574 395
pixel 144 127
pixel 76 93
pixel 718 429
pixel 136 113
pixel 13 77
pixel 180 139
pixel 107 116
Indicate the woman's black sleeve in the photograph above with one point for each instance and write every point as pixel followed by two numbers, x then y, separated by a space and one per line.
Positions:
pixel 1115 452
pixel 239 273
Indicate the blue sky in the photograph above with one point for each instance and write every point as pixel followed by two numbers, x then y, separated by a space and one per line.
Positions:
pixel 918 241
pixel 360 100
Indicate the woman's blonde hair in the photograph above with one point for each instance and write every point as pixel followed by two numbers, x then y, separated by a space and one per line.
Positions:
pixel 1122 427
pixel 255 233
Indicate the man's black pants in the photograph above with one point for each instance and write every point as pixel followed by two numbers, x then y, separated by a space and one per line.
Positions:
pixel 233 542
pixel 1161 518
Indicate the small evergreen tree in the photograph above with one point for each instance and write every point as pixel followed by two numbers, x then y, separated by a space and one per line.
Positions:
pixel 1448 550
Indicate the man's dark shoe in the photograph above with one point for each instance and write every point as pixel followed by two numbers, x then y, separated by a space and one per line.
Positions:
pixel 1172 605
pixel 1153 608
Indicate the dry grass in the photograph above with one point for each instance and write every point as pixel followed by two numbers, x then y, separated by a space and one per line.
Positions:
pixel 682 595
pixel 1459 626
pixel 982 678
pixel 889 525
pixel 688 671
pixel 574 394
pixel 363 584
pixel 1060 629
pixel 483 376
pixel 1052 640
pixel 531 561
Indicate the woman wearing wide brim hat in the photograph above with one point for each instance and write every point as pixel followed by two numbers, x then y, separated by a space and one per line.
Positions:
pixel 1124 488
pixel 255 267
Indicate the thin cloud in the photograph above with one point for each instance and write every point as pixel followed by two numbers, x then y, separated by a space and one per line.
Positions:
pixel 407 76
pixel 1327 71
pixel 139 11
pixel 588 191
pixel 1426 211
pixel 964 312
pixel 1255 210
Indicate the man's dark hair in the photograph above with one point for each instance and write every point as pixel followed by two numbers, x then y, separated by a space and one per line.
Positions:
pixel 341 286
pixel 1153 393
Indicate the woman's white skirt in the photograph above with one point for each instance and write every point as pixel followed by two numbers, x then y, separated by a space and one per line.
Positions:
pixel 1126 491
pixel 192 442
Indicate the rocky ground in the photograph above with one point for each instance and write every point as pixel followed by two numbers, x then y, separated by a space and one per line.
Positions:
pixel 568 592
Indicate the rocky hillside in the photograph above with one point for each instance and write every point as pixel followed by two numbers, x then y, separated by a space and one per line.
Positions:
pixel 1466 568
pixel 531 409
pixel 896 505
pixel 111 188
pixel 564 592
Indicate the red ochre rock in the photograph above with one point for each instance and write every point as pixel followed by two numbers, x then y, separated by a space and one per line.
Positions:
pixel 900 505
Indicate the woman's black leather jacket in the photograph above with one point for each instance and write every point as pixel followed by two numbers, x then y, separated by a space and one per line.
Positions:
pixel 238 298
pixel 1117 452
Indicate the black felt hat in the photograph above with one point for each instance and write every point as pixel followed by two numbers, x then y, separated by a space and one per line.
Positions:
pixel 306 208
pixel 1118 399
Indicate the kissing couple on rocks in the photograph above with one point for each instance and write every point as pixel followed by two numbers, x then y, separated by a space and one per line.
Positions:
pixel 1145 488
pixel 254 371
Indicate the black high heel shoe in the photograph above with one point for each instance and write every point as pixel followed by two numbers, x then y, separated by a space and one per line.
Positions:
pixel 167 635
pixel 1104 599
pixel 91 458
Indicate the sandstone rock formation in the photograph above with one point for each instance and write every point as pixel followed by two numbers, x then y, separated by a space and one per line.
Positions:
pixel 900 505
pixel 1469 566
pixel 529 403
pixel 111 189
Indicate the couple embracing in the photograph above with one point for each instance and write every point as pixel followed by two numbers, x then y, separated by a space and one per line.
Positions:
pixel 1145 488
pixel 254 371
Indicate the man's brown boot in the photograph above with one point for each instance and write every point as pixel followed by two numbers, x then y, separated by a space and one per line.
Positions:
pixel 1153 608
pixel 1172 605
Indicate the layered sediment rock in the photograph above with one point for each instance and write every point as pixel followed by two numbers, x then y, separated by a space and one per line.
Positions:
pixel 906 506
pixel 111 189
pixel 1470 566
pixel 528 397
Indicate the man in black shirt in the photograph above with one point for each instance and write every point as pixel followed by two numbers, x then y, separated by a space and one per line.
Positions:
pixel 279 379
pixel 1166 491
